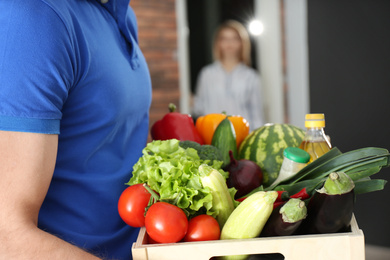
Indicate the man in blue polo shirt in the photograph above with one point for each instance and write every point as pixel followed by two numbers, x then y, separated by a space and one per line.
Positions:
pixel 74 100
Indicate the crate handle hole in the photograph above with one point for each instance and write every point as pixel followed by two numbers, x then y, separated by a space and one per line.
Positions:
pixel 274 256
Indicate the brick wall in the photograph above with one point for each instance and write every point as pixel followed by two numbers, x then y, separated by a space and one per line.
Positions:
pixel 158 42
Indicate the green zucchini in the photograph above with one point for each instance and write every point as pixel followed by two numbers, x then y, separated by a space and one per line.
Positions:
pixel 249 218
pixel 224 139
pixel 222 200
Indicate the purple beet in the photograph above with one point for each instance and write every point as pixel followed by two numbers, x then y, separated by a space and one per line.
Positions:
pixel 244 175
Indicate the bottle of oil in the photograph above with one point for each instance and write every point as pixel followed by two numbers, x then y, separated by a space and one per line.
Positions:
pixel 316 143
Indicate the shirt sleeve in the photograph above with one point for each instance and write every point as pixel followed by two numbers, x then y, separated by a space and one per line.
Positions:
pixel 36 68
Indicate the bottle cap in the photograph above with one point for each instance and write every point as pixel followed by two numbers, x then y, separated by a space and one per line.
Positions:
pixel 296 154
pixel 315 120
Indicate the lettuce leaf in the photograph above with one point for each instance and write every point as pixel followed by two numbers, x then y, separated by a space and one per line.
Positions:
pixel 172 172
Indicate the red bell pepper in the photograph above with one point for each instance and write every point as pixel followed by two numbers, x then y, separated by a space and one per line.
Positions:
pixel 175 125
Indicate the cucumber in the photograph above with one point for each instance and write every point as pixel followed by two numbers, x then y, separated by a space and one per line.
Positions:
pixel 224 139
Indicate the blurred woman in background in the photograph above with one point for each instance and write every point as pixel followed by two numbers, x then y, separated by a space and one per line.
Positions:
pixel 229 84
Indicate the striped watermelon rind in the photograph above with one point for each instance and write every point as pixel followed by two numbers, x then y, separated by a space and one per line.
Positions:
pixel 265 146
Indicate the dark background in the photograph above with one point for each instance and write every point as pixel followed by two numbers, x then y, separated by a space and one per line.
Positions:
pixel 349 70
pixel 349 61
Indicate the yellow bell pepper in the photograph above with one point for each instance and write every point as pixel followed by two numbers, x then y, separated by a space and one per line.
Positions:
pixel 207 124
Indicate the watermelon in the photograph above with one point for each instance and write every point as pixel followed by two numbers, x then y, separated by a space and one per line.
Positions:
pixel 265 146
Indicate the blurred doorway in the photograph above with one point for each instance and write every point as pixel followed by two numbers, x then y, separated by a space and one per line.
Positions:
pixel 204 17
pixel 197 21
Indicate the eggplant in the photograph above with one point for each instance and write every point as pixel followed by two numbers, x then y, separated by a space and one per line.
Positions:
pixel 330 209
pixel 285 219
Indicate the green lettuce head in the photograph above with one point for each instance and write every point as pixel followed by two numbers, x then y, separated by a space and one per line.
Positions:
pixel 172 172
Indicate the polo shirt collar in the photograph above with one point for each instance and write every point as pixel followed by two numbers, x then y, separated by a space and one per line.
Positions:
pixel 117 8
pixel 120 10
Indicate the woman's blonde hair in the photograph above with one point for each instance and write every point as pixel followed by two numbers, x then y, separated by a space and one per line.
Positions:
pixel 245 55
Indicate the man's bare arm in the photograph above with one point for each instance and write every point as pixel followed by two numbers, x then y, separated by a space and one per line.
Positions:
pixel 27 163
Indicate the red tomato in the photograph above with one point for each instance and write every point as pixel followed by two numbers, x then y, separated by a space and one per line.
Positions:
pixel 132 204
pixel 202 228
pixel 166 223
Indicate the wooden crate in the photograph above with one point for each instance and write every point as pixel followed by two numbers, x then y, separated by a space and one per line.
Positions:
pixel 346 246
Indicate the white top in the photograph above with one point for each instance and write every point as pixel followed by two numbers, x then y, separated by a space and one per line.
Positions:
pixel 237 93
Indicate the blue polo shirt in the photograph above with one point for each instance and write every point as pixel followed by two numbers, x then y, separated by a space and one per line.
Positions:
pixel 74 68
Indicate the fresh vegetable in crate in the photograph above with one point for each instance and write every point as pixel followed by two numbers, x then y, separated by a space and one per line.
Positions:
pixel 265 146
pixel 222 200
pixel 249 218
pixel 207 124
pixel 175 125
pixel 205 152
pixel 166 223
pixel 224 139
pixel 181 178
pixel 244 175
pixel 285 219
pixel 132 203
pixel 330 208
pixel 358 165
pixel 202 228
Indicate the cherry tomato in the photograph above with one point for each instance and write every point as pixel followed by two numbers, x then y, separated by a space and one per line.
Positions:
pixel 202 228
pixel 166 223
pixel 132 204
